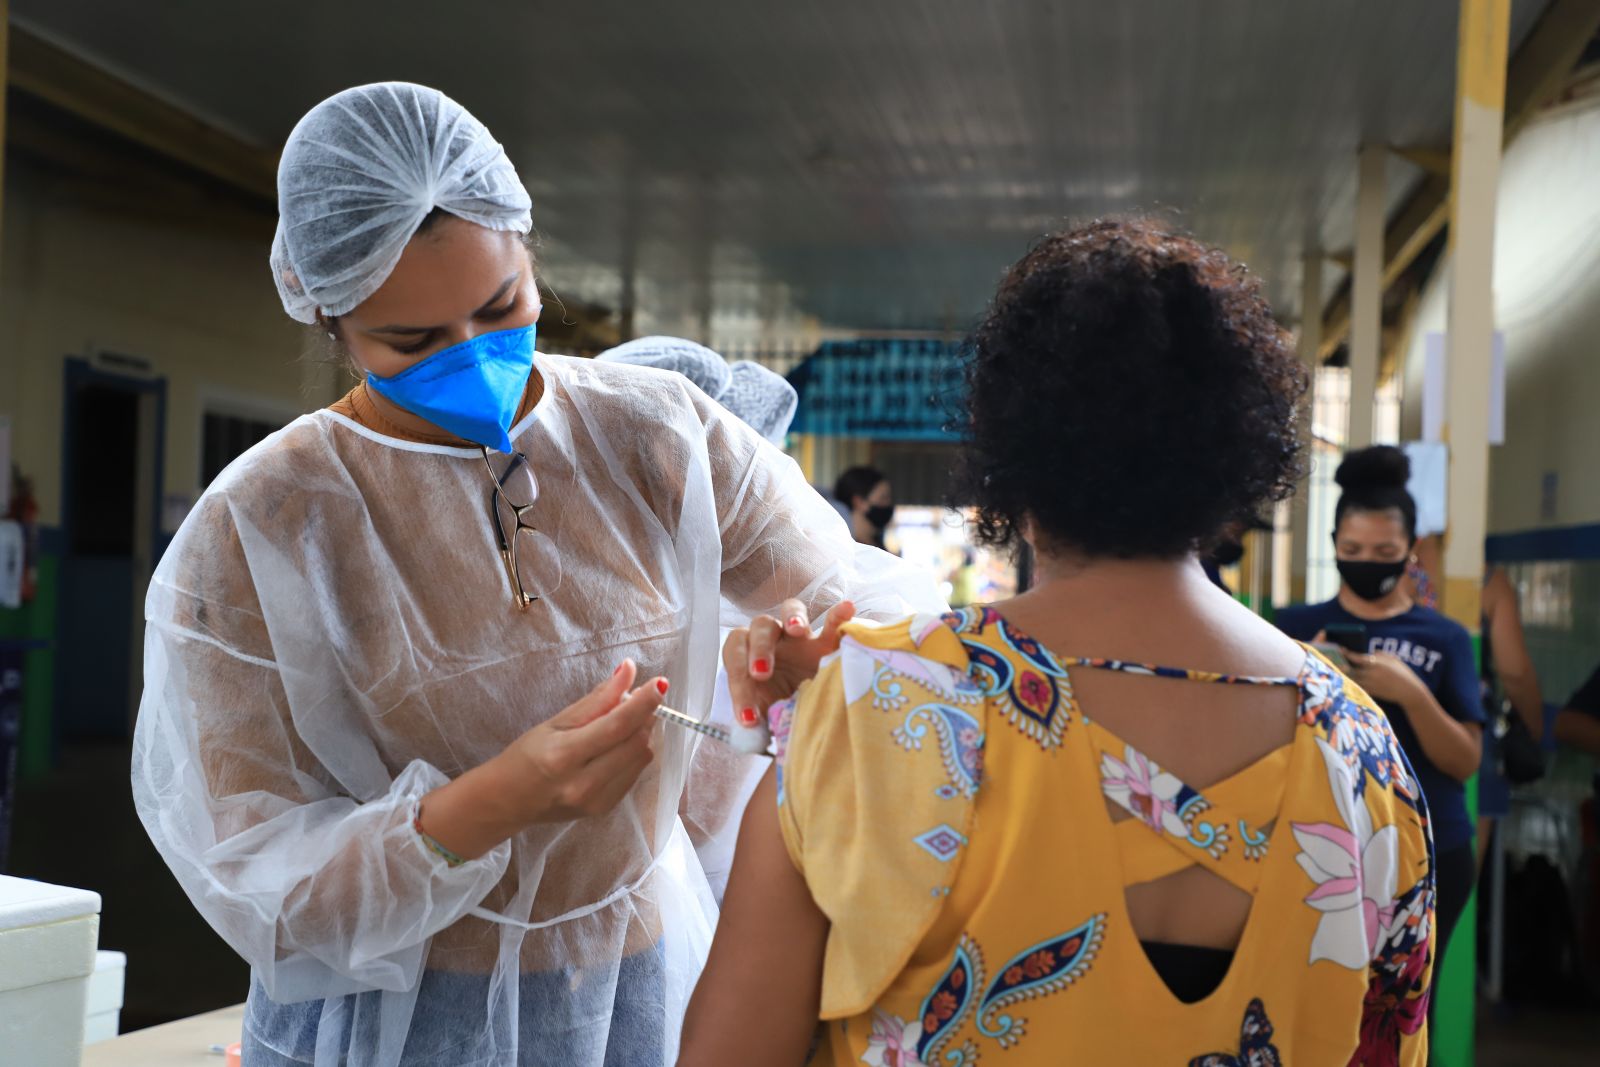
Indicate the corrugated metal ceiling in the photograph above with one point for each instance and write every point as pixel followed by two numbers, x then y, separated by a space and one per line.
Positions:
pixel 873 164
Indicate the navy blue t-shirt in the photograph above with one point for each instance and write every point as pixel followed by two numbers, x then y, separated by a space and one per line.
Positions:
pixel 1439 650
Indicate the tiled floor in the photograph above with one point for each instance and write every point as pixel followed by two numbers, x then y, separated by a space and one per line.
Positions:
pixel 1535 1038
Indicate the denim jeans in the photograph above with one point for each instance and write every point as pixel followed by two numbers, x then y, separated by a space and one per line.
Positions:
pixel 557 1024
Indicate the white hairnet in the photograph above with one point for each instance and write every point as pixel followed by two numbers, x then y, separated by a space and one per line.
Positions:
pixel 331 636
pixel 760 398
pixel 360 171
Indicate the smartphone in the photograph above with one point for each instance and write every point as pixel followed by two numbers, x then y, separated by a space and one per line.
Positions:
pixel 1350 636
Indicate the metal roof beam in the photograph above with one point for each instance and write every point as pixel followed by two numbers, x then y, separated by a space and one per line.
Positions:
pixel 75 85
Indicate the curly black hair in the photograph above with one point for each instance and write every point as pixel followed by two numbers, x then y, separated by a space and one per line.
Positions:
pixel 1130 392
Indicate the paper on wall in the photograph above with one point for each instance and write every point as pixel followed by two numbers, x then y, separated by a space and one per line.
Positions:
pixel 1435 397
pixel 1430 479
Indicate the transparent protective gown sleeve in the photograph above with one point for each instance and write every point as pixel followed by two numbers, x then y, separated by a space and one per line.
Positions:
pixel 331 636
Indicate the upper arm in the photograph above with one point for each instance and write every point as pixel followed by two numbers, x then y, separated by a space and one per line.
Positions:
pixel 770 547
pixel 765 559
pixel 762 983
pixel 215 682
pixel 816 888
pixel 1509 648
pixel 781 540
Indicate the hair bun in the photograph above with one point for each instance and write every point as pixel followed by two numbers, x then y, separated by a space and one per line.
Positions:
pixel 1379 467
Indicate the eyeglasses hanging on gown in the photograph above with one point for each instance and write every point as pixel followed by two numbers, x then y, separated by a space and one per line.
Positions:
pixel 532 565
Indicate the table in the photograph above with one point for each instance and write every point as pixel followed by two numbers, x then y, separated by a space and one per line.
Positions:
pixel 185 1043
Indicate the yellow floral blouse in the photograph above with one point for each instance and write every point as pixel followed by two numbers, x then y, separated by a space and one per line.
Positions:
pixel 945 797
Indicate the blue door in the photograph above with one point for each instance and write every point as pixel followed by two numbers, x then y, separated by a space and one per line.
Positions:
pixel 113 427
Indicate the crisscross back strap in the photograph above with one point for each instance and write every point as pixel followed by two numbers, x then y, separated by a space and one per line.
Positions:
pixel 1224 829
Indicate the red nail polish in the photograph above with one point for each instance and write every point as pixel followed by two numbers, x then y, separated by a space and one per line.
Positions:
pixel 795 621
pixel 662 685
pixel 617 671
pixel 748 717
pixel 762 666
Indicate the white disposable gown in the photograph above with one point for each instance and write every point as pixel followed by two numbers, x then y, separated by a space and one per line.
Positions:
pixel 331 635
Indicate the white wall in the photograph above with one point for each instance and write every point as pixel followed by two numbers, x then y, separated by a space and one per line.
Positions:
pixel 1547 302
pixel 195 300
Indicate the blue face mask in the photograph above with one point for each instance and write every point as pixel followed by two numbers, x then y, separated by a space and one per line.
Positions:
pixel 473 389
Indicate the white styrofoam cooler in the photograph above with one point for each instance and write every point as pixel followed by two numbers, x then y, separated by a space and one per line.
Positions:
pixel 103 1012
pixel 48 935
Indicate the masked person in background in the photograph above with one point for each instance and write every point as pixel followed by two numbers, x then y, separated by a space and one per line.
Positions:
pixel 1418 665
pixel 866 494
pixel 397 738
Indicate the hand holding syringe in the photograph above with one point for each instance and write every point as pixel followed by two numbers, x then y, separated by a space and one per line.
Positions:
pixel 766 662
pixel 750 740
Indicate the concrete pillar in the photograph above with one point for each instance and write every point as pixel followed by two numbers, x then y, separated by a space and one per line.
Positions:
pixel 1474 179
pixel 1291 551
pixel 1483 33
pixel 1366 295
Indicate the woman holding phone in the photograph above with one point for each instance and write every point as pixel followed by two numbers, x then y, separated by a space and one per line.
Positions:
pixel 1416 663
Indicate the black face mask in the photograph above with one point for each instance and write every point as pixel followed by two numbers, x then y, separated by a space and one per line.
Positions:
pixel 1369 579
pixel 880 514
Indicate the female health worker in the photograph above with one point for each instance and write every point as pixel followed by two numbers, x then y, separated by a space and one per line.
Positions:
pixel 396 740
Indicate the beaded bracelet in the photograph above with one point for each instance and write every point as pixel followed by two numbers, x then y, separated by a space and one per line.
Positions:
pixel 450 858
